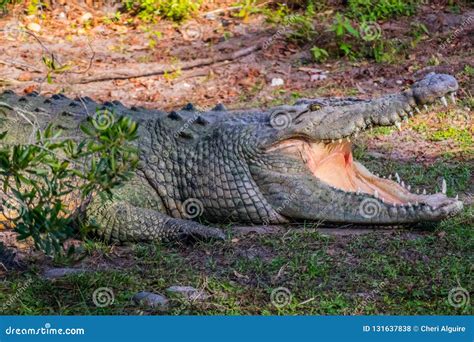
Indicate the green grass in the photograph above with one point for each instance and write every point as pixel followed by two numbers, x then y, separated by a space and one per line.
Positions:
pixel 457 174
pixel 382 130
pixel 463 136
pixel 400 271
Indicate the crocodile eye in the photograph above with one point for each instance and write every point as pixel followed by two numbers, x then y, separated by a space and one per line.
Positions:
pixel 314 107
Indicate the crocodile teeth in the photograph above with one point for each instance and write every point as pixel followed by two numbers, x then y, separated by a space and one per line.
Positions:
pixel 417 191
pixel 376 194
pixel 399 125
pixel 443 101
pixel 453 98
pixel 444 187
pixel 348 139
pixel 409 187
pixel 424 191
pixel 410 113
pixel 397 177
pixel 418 110
pixel 403 183
pixel 390 176
pixel 457 197
pixel 425 107
pixel 340 141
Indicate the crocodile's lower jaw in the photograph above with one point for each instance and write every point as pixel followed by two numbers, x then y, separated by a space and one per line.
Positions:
pixel 333 164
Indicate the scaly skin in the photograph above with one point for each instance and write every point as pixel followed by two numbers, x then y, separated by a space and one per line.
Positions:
pixel 229 166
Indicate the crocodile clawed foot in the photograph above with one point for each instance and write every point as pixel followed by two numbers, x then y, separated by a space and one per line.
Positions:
pixel 190 230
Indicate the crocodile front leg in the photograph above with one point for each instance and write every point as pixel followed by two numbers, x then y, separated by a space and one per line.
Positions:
pixel 122 222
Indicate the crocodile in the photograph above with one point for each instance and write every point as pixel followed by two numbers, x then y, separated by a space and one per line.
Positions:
pixel 291 163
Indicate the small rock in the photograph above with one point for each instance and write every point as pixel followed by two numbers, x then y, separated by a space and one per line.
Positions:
pixel 210 16
pixel 33 27
pixel 25 76
pixel 54 273
pixel 150 299
pixel 86 17
pixel 276 82
pixel 189 292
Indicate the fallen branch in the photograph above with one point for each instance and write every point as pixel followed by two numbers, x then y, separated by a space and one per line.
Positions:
pixel 124 74
pixel 221 10
pixel 21 66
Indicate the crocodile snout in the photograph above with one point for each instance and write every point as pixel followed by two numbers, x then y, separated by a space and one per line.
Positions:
pixel 433 87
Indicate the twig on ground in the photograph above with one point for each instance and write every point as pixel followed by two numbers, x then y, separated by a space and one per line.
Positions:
pixel 125 74
pixel 221 10
pixel 20 65
pixel 198 73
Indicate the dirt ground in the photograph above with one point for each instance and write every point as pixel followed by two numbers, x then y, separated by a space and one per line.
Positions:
pixel 328 271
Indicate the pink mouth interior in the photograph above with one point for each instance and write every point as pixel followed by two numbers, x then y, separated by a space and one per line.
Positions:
pixel 333 164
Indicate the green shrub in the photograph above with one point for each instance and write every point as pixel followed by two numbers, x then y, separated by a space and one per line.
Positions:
pixel 4 4
pixel 176 10
pixel 46 184
pixel 319 54
pixel 301 26
pixel 381 9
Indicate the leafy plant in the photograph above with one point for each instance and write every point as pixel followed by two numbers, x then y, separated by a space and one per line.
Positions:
pixel 5 3
pixel 34 6
pixel 374 10
pixel 469 70
pixel 301 26
pixel 176 10
pixel 248 7
pixel 53 68
pixel 46 184
pixel 418 32
pixel 344 32
pixel 276 16
pixel 319 54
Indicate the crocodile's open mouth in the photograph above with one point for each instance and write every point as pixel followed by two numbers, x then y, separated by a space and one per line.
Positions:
pixel 333 164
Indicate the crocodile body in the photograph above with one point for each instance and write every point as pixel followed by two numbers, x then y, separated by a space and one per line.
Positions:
pixel 289 163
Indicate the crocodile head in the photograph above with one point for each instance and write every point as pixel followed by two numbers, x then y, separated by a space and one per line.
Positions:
pixel 304 165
